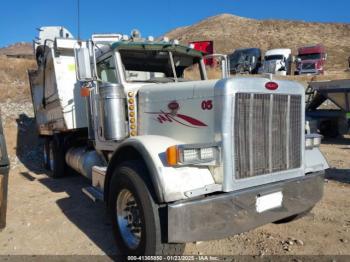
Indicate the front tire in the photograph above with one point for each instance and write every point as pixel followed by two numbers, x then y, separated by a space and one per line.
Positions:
pixel 135 215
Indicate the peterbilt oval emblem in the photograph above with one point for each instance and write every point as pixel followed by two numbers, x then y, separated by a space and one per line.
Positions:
pixel 173 105
pixel 271 85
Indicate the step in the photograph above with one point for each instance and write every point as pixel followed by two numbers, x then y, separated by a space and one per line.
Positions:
pixel 93 193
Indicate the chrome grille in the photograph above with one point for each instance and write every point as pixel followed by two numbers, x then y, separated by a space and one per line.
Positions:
pixel 308 66
pixel 267 133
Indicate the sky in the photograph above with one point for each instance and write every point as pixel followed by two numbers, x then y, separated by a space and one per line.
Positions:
pixel 20 18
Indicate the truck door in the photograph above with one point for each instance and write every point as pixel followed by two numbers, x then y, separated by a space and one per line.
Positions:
pixel 4 170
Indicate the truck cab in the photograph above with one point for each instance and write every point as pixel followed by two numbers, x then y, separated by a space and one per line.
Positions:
pixel 176 157
pixel 245 60
pixel 311 60
pixel 277 61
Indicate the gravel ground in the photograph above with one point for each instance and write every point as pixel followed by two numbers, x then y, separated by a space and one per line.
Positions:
pixel 47 216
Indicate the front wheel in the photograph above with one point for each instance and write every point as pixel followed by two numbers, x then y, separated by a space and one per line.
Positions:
pixel 135 215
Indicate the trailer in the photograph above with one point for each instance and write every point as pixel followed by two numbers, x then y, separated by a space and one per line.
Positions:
pixel 175 160
pixel 207 47
pixel 328 107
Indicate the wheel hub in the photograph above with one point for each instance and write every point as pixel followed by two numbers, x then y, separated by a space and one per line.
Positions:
pixel 128 218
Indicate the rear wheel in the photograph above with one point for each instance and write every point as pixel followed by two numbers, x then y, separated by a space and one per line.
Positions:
pixel 54 156
pixel 135 215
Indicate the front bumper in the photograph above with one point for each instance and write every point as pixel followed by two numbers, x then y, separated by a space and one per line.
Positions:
pixel 220 216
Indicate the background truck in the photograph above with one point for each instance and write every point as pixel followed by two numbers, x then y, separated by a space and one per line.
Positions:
pixel 277 61
pixel 4 171
pixel 175 160
pixel 328 107
pixel 311 60
pixel 245 60
pixel 207 47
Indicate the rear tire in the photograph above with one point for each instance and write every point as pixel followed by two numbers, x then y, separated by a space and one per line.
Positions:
pixel 135 215
pixel 54 156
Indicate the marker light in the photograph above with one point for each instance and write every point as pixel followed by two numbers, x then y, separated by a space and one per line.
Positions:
pixel 84 91
pixel 125 37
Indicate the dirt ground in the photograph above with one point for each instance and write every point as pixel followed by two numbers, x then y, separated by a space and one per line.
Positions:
pixel 47 216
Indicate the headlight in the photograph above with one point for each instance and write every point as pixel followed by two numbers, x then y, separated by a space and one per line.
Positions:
pixel 312 140
pixel 196 154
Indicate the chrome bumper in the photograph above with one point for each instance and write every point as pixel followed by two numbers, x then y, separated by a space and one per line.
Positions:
pixel 227 214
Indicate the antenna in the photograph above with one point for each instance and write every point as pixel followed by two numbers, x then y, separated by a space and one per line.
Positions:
pixel 78 7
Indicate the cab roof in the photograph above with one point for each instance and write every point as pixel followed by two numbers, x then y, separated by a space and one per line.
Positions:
pixel 156 46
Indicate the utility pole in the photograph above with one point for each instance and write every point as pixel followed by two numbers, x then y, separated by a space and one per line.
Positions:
pixel 78 7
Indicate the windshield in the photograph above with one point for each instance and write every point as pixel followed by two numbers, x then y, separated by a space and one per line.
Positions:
pixel 156 66
pixel 241 57
pixel 313 56
pixel 274 57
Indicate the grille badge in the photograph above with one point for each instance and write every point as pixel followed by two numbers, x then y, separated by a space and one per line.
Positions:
pixel 271 85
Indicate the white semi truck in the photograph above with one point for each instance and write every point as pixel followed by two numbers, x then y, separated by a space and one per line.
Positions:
pixel 176 160
pixel 277 61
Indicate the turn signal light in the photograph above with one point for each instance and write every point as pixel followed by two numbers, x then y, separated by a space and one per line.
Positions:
pixel 172 155
pixel 271 85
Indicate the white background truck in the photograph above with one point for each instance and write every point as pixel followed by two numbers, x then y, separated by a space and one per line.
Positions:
pixel 175 159
pixel 277 61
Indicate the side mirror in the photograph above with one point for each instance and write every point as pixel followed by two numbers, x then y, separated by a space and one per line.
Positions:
pixel 224 64
pixel 83 65
pixel 298 60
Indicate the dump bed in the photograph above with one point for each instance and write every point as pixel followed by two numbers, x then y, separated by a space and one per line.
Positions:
pixel 55 91
pixel 335 90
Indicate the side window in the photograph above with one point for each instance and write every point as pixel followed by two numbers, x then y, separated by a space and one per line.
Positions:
pixel 106 70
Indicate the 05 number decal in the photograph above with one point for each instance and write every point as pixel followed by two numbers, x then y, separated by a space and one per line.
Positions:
pixel 207 105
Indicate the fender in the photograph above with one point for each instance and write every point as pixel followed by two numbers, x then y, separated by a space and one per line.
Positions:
pixel 169 183
pixel 314 161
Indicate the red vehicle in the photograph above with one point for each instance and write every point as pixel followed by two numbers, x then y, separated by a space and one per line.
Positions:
pixel 207 47
pixel 311 60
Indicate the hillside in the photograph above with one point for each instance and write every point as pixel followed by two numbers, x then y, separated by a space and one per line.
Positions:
pixel 21 48
pixel 230 32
